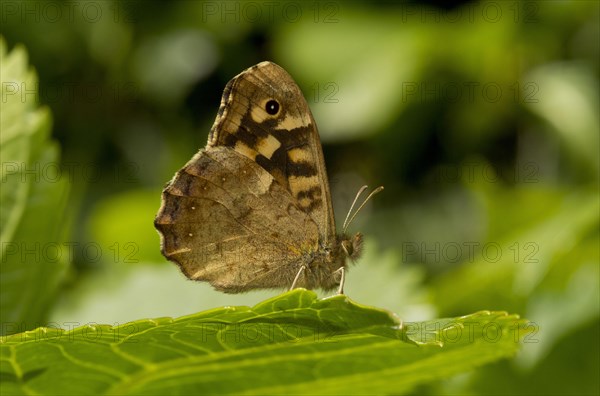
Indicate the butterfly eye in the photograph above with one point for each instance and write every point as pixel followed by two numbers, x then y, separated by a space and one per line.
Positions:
pixel 348 248
pixel 272 107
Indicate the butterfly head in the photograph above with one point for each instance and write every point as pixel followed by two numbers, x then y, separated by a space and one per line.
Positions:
pixel 352 246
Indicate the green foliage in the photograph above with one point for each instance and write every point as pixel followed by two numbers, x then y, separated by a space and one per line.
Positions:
pixel 490 203
pixel 33 199
pixel 293 343
pixel 521 258
pixel 114 235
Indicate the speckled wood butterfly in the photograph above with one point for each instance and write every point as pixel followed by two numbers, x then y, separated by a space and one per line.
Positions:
pixel 253 209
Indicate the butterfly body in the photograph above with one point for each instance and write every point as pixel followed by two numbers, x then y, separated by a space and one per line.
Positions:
pixel 253 209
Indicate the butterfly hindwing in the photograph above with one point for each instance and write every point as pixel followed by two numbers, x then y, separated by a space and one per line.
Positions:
pixel 226 221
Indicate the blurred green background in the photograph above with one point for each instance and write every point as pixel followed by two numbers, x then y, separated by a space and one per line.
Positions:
pixel 480 119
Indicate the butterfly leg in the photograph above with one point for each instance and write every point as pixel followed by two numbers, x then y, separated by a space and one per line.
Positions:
pixel 300 271
pixel 342 279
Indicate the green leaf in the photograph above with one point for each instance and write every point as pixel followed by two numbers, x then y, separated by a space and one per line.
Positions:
pixel 292 343
pixel 33 198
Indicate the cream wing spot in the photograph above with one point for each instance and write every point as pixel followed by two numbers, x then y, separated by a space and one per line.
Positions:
pixel 258 114
pixel 298 155
pixel 290 122
pixel 300 184
pixel 268 146
pixel 265 182
pixel 245 150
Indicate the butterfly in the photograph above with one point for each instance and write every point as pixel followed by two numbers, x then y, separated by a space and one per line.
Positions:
pixel 253 210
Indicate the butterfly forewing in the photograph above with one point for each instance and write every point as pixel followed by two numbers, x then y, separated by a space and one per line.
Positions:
pixel 286 144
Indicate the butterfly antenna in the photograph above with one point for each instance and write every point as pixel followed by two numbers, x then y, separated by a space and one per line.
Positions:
pixel 358 194
pixel 347 222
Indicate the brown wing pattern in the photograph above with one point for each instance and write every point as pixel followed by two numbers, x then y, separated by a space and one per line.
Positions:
pixel 225 220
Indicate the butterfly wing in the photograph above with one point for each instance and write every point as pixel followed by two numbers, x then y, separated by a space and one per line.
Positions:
pixel 254 206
